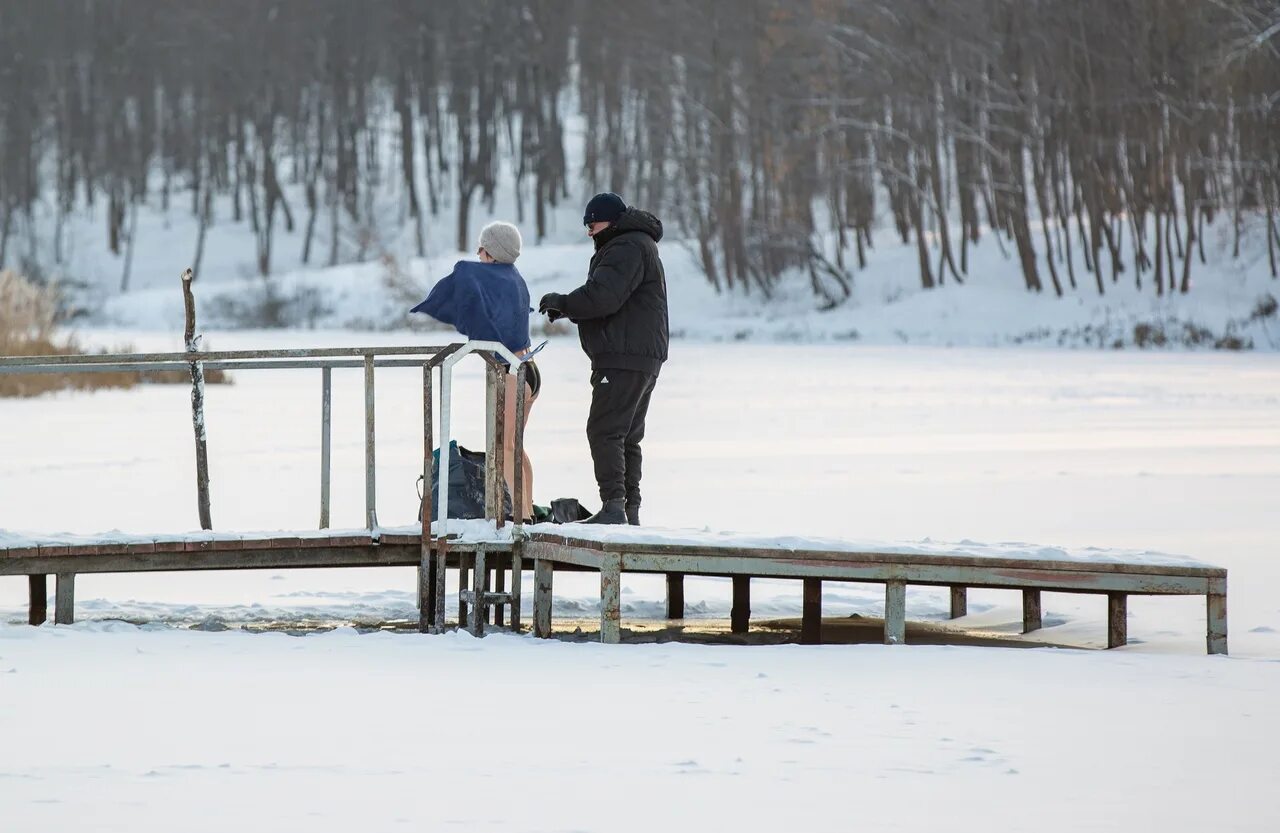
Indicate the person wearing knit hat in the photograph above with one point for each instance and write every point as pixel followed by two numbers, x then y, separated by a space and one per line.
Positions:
pixel 489 301
pixel 621 313
pixel 500 242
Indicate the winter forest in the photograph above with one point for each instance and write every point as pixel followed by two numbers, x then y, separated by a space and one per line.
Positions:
pixel 749 415
pixel 772 133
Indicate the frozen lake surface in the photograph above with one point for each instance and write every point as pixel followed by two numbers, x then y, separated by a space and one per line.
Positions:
pixel 1150 451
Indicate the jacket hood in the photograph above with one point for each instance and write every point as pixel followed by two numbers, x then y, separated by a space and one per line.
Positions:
pixel 635 219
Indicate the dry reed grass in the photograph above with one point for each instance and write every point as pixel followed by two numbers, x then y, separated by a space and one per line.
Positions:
pixel 28 317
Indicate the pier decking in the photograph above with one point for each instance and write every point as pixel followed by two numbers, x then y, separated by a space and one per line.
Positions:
pixel 482 554
pixel 1117 574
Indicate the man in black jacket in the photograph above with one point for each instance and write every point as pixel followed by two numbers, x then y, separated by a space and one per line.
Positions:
pixel 621 313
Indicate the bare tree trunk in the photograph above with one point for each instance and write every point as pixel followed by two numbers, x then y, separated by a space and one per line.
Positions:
pixel 128 252
pixel 1271 233
pixel 206 212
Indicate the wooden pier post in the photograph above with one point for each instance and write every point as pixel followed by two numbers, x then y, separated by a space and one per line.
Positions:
pixel 959 602
pixel 64 599
pixel 1117 619
pixel 1216 608
pixel 465 562
pixel 1032 618
pixel 197 403
pixel 480 582
pixel 611 599
pixel 499 585
pixel 438 586
pixel 895 613
pixel 811 617
pixel 740 614
pixel 675 595
pixel 543 572
pixel 38 588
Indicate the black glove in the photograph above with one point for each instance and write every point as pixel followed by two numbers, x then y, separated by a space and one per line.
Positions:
pixel 550 305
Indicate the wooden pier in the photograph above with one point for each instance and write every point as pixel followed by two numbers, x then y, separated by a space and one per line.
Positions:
pixel 590 548
pixel 486 592
pixel 484 562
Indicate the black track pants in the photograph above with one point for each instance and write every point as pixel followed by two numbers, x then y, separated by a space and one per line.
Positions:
pixel 615 427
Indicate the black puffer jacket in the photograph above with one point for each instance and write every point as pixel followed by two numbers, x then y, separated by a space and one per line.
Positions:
pixel 621 311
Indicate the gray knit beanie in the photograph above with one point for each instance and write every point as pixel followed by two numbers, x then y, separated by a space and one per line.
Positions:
pixel 501 241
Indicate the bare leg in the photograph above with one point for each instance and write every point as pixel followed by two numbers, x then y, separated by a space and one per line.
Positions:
pixel 509 445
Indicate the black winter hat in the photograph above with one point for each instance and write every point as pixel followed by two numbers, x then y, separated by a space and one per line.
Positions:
pixel 604 208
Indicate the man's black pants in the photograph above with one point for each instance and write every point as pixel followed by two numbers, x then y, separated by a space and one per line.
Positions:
pixel 615 427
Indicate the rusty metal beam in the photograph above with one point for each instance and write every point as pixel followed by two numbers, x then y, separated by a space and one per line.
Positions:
pixel 326 442
pixel 370 455
pixel 517 468
pixel 183 358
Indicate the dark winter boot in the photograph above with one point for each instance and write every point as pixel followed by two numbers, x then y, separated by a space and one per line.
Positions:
pixel 610 513
pixel 633 514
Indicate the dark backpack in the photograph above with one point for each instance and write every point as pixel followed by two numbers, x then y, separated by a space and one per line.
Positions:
pixel 466 485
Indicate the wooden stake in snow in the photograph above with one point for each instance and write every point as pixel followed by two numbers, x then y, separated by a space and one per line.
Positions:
pixel 197 402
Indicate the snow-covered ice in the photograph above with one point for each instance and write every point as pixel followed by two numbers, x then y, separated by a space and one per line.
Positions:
pixel 118 727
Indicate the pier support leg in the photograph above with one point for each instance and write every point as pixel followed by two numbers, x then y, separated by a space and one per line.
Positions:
pixel 464 583
pixel 64 601
pixel 611 600
pixel 440 565
pixel 1117 619
pixel 811 616
pixel 480 578
pixel 959 602
pixel 499 584
pixel 426 589
pixel 38 586
pixel 895 613
pixel 542 576
pixel 1032 619
pixel 517 581
pixel 1217 625
pixel 675 595
pixel 740 615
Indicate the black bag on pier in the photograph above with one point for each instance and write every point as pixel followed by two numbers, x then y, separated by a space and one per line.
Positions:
pixel 567 510
pixel 466 485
